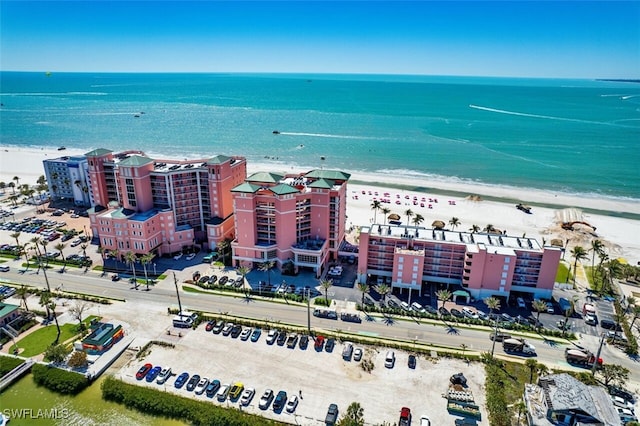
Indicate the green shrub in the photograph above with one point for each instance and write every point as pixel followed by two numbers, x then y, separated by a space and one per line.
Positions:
pixel 165 404
pixel 8 363
pixel 57 380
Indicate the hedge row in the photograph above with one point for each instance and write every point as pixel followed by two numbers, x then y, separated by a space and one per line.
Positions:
pixel 496 385
pixel 159 403
pixel 57 380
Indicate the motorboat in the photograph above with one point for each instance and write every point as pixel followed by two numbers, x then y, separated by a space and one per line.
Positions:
pixel 62 148
pixel 276 132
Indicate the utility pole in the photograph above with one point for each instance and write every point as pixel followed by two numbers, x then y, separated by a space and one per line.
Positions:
pixel 309 311
pixel 595 361
pixel 175 282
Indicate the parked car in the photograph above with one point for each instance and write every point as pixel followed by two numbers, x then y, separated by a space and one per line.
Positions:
pixel 256 335
pixel 424 421
pixel 521 303
pixel 177 256
pixel 236 390
pixel 193 381
pixel 201 386
pixel 164 375
pixel 469 313
pixel 266 399
pixel 280 401
pixel 181 380
pixel 142 372
pixel 210 325
pixel 190 256
pixel 332 415
pixel 4 269
pixel 227 329
pixel 405 306
pixel 443 311
pixel 411 362
pixel 456 313
pixel 212 388
pixel 235 331
pixel 282 337
pixel 246 333
pixel 218 327
pixel 292 403
pixel 223 392
pixel 499 336
pixel 247 396
pixel 390 359
pixel 331 342
pixel 357 354
pixel 153 373
pixel 304 342
pixel 272 336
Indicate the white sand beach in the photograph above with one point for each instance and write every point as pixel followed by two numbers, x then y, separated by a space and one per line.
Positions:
pixel 620 235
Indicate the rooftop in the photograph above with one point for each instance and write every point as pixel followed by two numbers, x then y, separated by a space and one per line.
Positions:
pixel 502 244
pixel 6 309
pixel 142 216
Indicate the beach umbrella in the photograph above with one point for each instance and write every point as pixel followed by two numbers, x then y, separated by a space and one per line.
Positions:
pixel 438 224
pixel 393 216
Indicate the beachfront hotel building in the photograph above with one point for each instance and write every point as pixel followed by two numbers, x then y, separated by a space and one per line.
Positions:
pixel 146 205
pixel 482 264
pixel 68 178
pixel 290 219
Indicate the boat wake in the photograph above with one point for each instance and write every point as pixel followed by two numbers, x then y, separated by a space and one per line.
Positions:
pixel 323 135
pixel 546 117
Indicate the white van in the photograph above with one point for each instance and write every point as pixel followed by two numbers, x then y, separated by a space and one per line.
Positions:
pixel 390 359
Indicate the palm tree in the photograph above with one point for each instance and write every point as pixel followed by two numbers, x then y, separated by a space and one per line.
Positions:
pixel 418 219
pixel 325 284
pixel 3 186
pixel 223 248
pixel 83 247
pixel 613 270
pixel 23 292
pixel 115 253
pixel 539 306
pixel 493 303
pixel 363 288
pixel 443 295
pixel 101 250
pixel 15 236
pixel 542 369
pixel 13 187
pixel 243 271
pixel 532 364
pixel 45 298
pixel 579 254
pixel 44 244
pixel 567 313
pixel 385 211
pixel 636 314
pixel 267 267
pixel 145 260
pixel 597 247
pixel 52 307
pixel 60 247
pixel 489 228
pixel 131 259
pixel 474 228
pixel 383 290
pixel 17 179
pixel 454 221
pixel 375 206
pixel 408 213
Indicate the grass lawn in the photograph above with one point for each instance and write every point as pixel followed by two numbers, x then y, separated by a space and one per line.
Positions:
pixel 38 341
pixel 563 273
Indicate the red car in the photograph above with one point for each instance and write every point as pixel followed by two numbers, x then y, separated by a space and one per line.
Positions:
pixel 143 371
pixel 319 342
pixel 405 417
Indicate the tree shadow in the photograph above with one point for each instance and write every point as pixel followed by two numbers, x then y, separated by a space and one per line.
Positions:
pixel 388 320
pixel 248 299
pixel 550 343
pixel 369 318
pixel 452 330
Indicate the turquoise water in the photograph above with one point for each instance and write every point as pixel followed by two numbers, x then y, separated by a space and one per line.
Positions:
pixel 573 136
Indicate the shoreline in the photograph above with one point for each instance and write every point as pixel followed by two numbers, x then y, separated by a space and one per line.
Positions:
pixel 617 221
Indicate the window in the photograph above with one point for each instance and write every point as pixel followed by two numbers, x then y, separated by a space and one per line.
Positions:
pixel 503 282
pixel 507 259
pixel 506 268
pixel 504 275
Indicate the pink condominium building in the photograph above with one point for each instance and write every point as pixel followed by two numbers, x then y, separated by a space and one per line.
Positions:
pixel 296 221
pixel 483 264
pixel 148 205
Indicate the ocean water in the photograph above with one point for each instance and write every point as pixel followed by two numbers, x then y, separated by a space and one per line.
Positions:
pixel 571 136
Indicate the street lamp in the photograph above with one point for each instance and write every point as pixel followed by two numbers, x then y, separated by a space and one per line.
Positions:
pixel 154 269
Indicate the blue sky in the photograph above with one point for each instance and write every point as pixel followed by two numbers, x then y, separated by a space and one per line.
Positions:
pixel 573 39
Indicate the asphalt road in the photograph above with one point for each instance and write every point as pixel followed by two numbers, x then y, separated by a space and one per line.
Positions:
pixel 398 328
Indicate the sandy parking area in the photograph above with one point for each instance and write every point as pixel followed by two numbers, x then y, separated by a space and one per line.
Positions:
pixel 322 377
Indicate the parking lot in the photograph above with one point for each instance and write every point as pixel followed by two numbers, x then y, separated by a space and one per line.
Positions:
pixel 318 376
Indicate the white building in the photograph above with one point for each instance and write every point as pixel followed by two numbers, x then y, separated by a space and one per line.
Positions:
pixel 68 178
